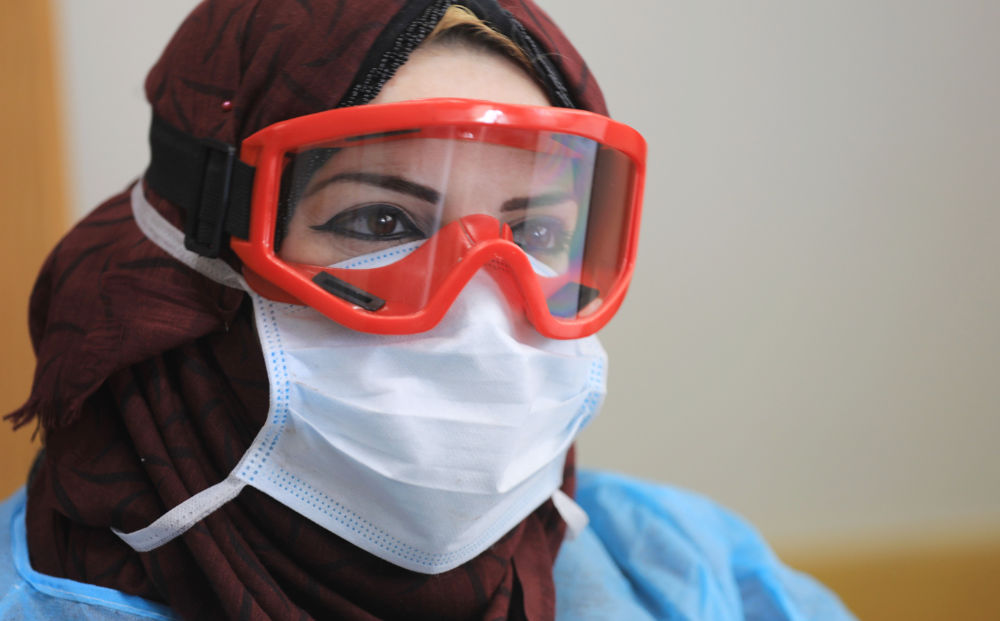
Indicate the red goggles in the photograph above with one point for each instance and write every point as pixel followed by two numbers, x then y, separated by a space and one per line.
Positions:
pixel 378 215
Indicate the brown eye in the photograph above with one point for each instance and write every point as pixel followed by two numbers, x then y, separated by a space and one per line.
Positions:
pixel 541 235
pixel 382 221
pixel 375 222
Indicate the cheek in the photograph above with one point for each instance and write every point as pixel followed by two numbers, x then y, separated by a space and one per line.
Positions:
pixel 303 244
pixel 297 244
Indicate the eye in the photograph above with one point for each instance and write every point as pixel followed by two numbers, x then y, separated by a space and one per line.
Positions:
pixel 544 234
pixel 373 222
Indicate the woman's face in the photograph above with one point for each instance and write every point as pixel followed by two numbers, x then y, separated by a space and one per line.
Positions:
pixel 363 200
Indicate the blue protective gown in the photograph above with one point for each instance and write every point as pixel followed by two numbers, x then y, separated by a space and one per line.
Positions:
pixel 650 552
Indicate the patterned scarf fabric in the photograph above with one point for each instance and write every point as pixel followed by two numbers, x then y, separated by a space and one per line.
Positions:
pixel 150 381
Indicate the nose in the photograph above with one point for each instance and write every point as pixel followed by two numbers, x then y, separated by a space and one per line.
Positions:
pixel 482 227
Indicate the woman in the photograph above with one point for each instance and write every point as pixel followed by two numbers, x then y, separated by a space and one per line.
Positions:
pixel 348 389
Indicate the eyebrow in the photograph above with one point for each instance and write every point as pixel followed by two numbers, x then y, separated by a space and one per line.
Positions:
pixel 542 200
pixel 389 182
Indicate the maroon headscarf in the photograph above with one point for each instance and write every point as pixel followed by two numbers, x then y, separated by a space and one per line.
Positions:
pixel 150 381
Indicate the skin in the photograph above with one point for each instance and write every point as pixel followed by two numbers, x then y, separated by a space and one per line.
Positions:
pixel 456 70
pixel 363 200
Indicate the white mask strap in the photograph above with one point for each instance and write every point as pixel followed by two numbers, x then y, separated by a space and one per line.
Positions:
pixel 573 514
pixel 175 522
pixel 171 240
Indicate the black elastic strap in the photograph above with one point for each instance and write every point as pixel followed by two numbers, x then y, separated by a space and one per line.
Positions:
pixel 405 31
pixel 207 180
pixel 213 187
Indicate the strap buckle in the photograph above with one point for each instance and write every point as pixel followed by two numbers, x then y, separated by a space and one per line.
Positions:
pixel 207 180
pixel 205 225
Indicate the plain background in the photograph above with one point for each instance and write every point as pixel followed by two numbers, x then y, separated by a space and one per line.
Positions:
pixel 812 333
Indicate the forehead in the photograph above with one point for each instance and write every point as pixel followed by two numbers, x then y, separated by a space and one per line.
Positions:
pixel 448 165
pixel 464 72
pixel 417 153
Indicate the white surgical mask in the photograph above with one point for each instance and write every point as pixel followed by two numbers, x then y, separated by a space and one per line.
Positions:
pixel 421 449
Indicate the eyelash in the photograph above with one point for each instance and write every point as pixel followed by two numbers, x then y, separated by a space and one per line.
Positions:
pixel 341 223
pixel 561 237
pixel 347 223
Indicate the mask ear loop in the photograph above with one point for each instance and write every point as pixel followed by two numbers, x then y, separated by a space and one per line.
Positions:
pixel 169 239
pixel 181 518
pixel 573 514
pixel 188 513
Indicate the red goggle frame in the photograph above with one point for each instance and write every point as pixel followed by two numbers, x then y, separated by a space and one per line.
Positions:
pixel 413 294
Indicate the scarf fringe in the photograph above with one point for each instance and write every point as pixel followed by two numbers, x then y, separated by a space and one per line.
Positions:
pixel 48 416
